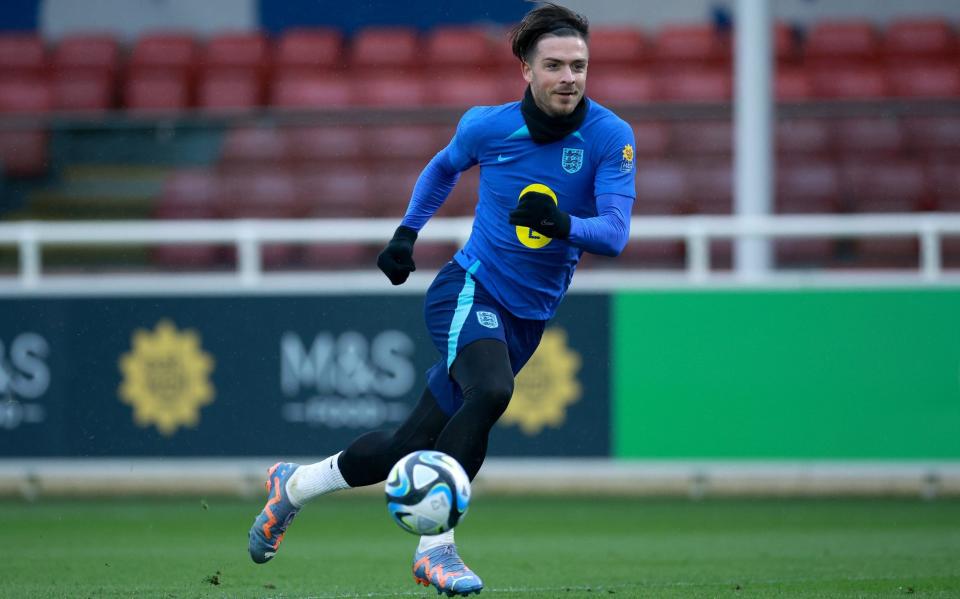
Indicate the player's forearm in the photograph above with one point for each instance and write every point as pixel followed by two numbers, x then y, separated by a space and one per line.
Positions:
pixel 607 233
pixel 435 183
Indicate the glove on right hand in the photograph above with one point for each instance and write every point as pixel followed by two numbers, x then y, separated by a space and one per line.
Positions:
pixel 396 260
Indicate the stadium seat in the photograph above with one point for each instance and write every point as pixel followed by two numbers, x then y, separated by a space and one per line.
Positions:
pixel 462 88
pixel 229 90
pixel 925 79
pixel 933 135
pixel 852 42
pixel 390 48
pixel 392 185
pixel 456 47
pixel 462 201
pixel 246 147
pixel 919 39
pixel 335 191
pixel 389 90
pixel 261 194
pixel 404 142
pixel 618 46
pixel 242 50
pixel 25 95
pixel 187 194
pixel 92 51
pixel 691 45
pixel 703 138
pixel 323 145
pixel 23 152
pixel 651 139
pixel 803 136
pixel 156 91
pixel 620 86
pixel 662 188
pixel 884 185
pixel 792 84
pixel 850 82
pixel 873 136
pixel 311 91
pixel 308 50
pixel 710 183
pixel 83 90
pixel 807 187
pixel 22 55
pixel 340 256
pixel 171 51
pixel 694 85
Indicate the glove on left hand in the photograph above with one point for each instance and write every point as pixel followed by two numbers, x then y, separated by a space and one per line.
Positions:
pixel 539 212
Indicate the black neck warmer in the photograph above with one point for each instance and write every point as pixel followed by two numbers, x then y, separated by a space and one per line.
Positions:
pixel 545 129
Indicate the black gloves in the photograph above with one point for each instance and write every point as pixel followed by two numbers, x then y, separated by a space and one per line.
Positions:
pixel 539 212
pixel 396 260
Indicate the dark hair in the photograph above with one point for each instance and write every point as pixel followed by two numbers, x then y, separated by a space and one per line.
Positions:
pixel 546 19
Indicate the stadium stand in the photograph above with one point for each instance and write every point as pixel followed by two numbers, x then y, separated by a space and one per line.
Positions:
pixel 308 50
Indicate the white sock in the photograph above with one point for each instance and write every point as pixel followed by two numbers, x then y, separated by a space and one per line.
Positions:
pixel 431 541
pixel 314 480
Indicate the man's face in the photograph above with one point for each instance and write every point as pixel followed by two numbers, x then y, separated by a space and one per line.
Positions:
pixel 557 73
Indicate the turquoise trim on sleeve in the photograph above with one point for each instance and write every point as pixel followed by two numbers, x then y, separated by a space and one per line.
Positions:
pixel 520 133
pixel 464 304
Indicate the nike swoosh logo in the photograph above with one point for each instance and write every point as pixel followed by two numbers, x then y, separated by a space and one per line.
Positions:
pixel 502 158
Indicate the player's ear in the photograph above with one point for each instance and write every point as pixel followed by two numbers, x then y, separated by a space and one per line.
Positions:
pixel 527 71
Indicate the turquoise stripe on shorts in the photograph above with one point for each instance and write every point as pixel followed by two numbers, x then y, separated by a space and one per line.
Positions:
pixel 464 304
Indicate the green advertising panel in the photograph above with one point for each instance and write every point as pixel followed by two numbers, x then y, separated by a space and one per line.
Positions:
pixel 812 374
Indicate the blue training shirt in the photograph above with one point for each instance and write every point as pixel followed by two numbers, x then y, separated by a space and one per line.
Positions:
pixel 529 273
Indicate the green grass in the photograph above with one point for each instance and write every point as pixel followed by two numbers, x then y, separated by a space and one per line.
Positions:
pixel 547 547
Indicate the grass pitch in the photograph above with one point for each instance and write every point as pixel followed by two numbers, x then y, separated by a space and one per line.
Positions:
pixel 532 547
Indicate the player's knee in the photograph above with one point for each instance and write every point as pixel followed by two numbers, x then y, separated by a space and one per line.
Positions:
pixel 493 394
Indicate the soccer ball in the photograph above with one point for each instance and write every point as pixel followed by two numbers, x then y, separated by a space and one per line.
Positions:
pixel 427 492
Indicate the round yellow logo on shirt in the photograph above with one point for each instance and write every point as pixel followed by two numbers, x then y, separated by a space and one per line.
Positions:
pixel 526 235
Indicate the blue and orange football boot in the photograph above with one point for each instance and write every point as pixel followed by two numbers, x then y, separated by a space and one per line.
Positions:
pixel 443 568
pixel 269 527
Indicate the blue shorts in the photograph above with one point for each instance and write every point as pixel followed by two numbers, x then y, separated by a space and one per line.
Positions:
pixel 458 311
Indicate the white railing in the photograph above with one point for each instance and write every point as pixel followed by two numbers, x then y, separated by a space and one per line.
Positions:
pixel 248 236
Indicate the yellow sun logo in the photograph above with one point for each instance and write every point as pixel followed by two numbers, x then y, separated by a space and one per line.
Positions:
pixel 166 378
pixel 628 153
pixel 545 386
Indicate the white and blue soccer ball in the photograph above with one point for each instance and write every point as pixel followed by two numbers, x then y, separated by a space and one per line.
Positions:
pixel 427 492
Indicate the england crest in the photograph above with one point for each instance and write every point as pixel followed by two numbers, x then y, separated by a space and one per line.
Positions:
pixel 488 319
pixel 572 159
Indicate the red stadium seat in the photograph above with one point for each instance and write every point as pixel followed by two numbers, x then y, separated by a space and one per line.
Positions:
pixel 625 86
pixel 247 147
pixel 261 194
pixel 462 89
pixel 792 84
pixel 694 85
pixel 458 47
pixel 309 50
pixel 25 95
pixel 806 188
pixel 22 55
pixel 925 79
pixel 404 142
pixel 391 186
pixel 884 185
pixel 651 139
pixel 313 91
pixel 618 46
pixel 692 45
pixel 326 144
pixel 93 51
pixel 385 48
pixel 919 39
pixel 850 82
pixel 83 90
pixel 933 135
pixel 945 184
pixel 869 136
pixel 703 138
pixel 662 188
pixel 462 201
pixel 803 136
pixel 23 152
pixel 176 51
pixel 711 186
pixel 157 91
pixel 187 194
pixel 229 90
pixel 340 191
pixel 243 50
pixel 833 42
pixel 391 90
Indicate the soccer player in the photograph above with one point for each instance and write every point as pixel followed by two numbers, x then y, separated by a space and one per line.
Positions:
pixel 556 179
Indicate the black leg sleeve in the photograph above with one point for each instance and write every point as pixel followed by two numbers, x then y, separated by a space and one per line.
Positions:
pixel 484 374
pixel 370 457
